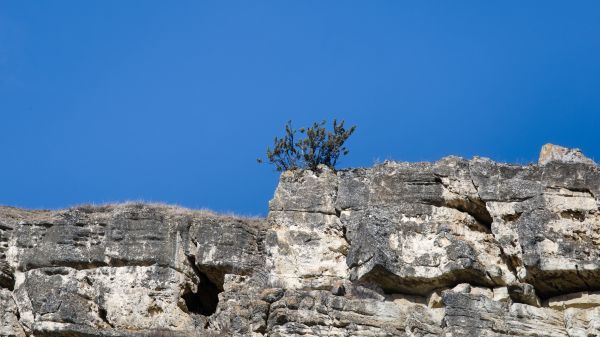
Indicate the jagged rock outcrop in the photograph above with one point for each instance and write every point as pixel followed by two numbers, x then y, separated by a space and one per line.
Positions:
pixel 450 248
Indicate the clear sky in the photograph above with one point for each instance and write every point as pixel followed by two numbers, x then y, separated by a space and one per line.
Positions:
pixel 173 101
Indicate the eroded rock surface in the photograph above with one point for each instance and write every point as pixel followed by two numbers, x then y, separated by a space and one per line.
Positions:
pixel 450 248
pixel 125 270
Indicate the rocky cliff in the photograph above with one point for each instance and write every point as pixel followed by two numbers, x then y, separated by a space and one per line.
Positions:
pixel 450 248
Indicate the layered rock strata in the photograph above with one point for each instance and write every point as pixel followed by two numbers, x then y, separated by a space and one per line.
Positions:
pixel 450 248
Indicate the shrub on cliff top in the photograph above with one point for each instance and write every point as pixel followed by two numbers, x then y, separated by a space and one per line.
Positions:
pixel 316 145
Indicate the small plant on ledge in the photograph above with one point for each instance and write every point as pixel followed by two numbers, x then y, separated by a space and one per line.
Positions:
pixel 307 148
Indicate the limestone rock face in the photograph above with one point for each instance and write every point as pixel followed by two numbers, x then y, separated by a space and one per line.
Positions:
pixel 419 228
pixel 450 248
pixel 125 270
pixel 546 221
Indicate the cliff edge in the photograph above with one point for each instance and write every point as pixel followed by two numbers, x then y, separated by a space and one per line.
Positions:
pixel 449 248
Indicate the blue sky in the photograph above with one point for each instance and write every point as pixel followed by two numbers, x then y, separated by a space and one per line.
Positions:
pixel 106 101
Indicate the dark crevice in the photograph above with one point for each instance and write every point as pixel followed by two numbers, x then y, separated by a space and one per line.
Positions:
pixel 572 189
pixel 17 309
pixel 358 264
pixel 511 199
pixel 474 207
pixel 573 215
pixel 205 299
pixel 5 227
pixel 551 284
pixel 103 315
pixel 7 280
pixel 582 278
pixel 345 234
pixel 492 279
pixel 511 217
pixel 549 288
pixel 39 224
pixel 390 283
pixel 511 261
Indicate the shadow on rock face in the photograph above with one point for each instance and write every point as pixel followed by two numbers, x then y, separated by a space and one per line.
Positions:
pixel 205 300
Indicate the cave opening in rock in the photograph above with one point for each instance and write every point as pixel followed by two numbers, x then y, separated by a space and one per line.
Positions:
pixel 205 299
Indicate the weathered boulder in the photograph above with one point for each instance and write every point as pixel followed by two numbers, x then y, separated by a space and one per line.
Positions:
pixel 551 152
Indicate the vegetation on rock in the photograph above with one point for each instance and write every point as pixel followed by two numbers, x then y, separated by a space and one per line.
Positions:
pixel 315 146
